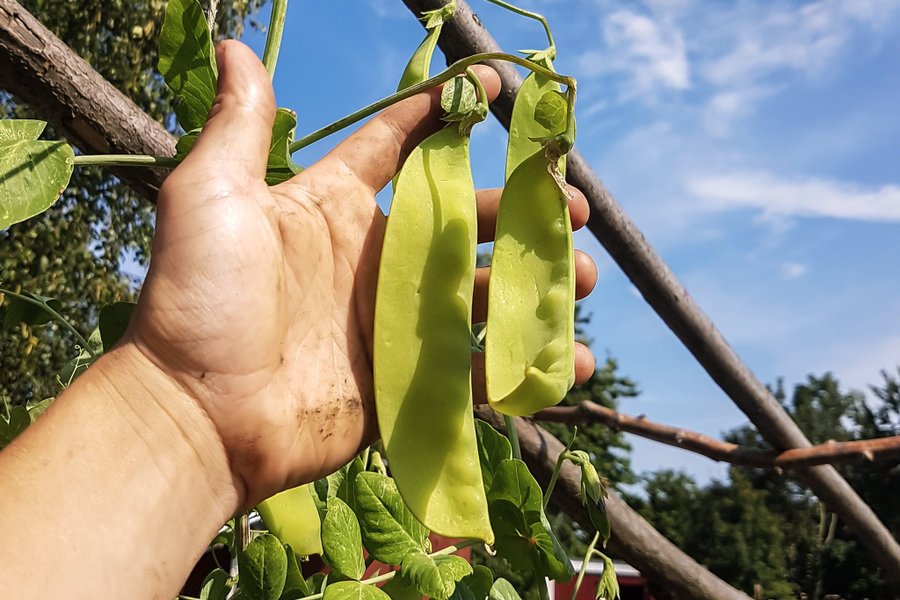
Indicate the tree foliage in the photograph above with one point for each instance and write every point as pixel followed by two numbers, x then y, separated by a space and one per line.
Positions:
pixel 762 528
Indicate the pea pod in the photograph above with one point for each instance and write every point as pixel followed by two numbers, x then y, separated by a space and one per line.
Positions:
pixel 526 127
pixel 529 345
pixel 292 517
pixel 417 69
pixel 422 351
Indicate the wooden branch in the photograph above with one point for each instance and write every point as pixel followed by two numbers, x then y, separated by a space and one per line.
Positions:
pixel 633 538
pixel 465 35
pixel 41 70
pixel 821 454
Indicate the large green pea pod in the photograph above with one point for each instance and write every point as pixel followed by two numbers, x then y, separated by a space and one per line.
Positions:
pixel 422 350
pixel 292 517
pixel 529 343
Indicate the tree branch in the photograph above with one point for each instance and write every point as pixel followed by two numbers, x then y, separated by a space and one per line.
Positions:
pixel 39 68
pixel 821 454
pixel 633 539
pixel 464 35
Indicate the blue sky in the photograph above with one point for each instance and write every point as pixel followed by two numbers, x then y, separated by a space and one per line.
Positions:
pixel 756 145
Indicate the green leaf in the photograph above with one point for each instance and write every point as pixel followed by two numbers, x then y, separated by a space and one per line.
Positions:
pixel 187 61
pixel 434 576
pixel 399 588
pixel 17 423
pixel 462 591
pixel 551 110
pixel 22 311
pixel 479 581
pixel 36 409
pixel 503 590
pixel 439 16
pixel 376 463
pixel 608 586
pixel 225 537
pixel 281 166
pixel 215 586
pixel 33 173
pixel 342 540
pixel 186 143
pixel 458 98
pixel 294 584
pixel 523 534
pixel 113 322
pixel 12 130
pixel 493 448
pixel 389 530
pixel 263 568
pixel 353 590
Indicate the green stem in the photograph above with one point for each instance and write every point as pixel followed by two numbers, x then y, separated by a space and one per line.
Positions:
pixel 391 574
pixel 542 588
pixel 551 49
pixel 54 315
pixel 273 38
pixel 452 71
pixel 479 87
pixel 513 434
pixel 556 469
pixel 125 160
pixel 584 564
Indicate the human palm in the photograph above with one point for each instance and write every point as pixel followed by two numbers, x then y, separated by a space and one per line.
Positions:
pixel 259 301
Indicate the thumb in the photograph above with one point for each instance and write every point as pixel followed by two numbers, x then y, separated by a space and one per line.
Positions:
pixel 238 131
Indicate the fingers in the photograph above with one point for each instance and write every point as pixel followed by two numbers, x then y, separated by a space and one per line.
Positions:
pixel 585 280
pixel 238 131
pixel 375 153
pixel 489 202
pixel 584 368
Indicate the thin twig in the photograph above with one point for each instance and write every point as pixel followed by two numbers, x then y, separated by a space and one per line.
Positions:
pixel 821 454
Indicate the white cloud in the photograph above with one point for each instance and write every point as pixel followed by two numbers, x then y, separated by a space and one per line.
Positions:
pixel 810 197
pixel 793 270
pixel 651 53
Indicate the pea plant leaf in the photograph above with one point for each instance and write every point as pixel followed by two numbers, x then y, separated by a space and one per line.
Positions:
pixel 33 173
pixel 353 590
pixel 294 584
pixel 608 586
pixel 434 576
pixel 493 448
pixel 389 530
pixel 503 590
pixel 214 586
pixel 16 421
pixel 524 536
pixel 342 540
pixel 479 581
pixel 187 61
pixel 281 166
pixel 399 588
pixel 462 591
pixel 263 568
pixel 33 313
pixel 113 322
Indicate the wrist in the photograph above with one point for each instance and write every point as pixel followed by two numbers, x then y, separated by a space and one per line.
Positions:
pixel 169 423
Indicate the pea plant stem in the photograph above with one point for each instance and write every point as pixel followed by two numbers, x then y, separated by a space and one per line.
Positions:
pixel 452 71
pixel 391 574
pixel 125 160
pixel 556 469
pixel 584 564
pixel 54 315
pixel 273 38
pixel 551 50
pixel 513 434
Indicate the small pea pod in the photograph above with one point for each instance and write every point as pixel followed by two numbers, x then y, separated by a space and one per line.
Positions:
pixel 292 517
pixel 529 345
pixel 419 65
pixel 422 352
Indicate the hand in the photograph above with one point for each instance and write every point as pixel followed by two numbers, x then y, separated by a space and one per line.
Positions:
pixel 259 300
